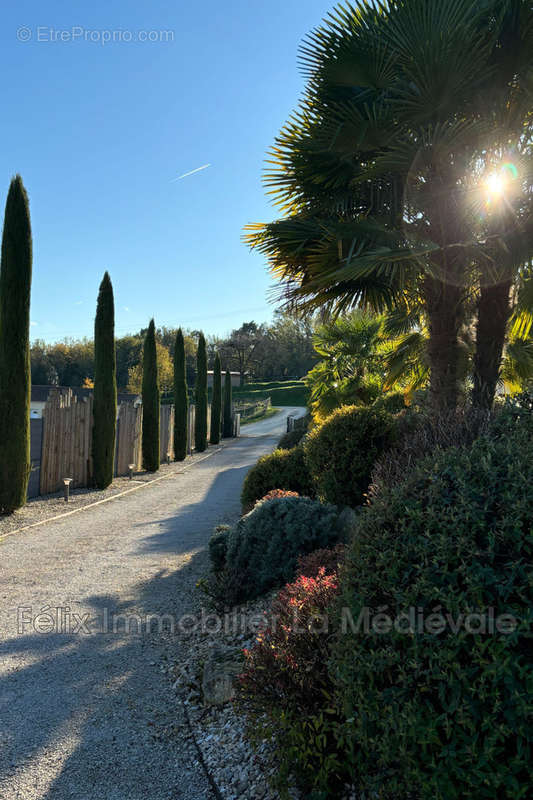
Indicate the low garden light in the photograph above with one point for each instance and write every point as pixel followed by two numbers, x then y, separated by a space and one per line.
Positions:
pixel 66 488
pixel 131 467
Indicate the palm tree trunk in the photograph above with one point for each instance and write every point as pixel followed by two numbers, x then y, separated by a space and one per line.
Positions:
pixel 493 315
pixel 444 304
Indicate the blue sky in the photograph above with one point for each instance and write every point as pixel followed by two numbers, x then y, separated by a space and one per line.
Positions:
pixel 99 130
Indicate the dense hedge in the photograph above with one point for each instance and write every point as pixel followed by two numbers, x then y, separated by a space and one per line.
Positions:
pixel 262 549
pixel 438 714
pixel 282 469
pixel 341 453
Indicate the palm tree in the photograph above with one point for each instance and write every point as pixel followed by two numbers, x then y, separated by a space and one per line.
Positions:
pixel 382 173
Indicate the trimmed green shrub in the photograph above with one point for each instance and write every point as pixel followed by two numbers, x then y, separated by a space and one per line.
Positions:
pixel 341 453
pixel 291 439
pixel 15 372
pixel 200 398
pixel 443 710
pixel 227 428
pixel 264 546
pixel 282 469
pixel 216 403
pixel 181 400
pixel 151 409
pixel 105 387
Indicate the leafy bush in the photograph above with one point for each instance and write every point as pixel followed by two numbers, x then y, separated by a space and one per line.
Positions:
pixel 341 453
pixel 327 559
pixel 218 545
pixel 291 439
pixel 393 402
pixel 443 714
pixel 282 469
pixel 286 676
pixel 421 433
pixel 264 546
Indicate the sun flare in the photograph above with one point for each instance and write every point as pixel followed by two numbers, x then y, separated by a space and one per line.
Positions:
pixel 495 185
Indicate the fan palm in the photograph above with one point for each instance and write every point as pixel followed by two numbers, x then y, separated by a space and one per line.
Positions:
pixel 409 106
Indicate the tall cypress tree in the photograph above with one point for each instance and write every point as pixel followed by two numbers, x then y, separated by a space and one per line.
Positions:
pixel 151 400
pixel 105 387
pixel 181 399
pixel 200 422
pixel 15 371
pixel 227 430
pixel 216 402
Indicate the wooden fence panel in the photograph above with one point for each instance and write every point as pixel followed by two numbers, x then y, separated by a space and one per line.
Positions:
pixel 166 433
pixel 129 433
pixel 67 440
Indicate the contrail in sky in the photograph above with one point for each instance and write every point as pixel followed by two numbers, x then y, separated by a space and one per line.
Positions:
pixel 186 174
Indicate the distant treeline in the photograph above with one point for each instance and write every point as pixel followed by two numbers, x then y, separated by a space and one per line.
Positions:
pixel 281 350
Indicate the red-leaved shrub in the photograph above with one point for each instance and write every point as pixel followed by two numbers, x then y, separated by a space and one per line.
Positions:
pixel 327 559
pixel 287 666
pixel 277 493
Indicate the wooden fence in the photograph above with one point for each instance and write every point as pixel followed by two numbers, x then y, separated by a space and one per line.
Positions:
pixel 67 440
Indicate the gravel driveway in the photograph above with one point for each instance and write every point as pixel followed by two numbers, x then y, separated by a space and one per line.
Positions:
pixel 85 710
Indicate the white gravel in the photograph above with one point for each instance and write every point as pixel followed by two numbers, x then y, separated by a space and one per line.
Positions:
pixel 90 715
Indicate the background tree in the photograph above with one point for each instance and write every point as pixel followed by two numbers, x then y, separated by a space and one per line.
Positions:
pixel 165 372
pixel 200 419
pixel 151 403
pixel 216 402
pixel 105 387
pixel 15 375
pixel 241 351
pixel 181 399
pixel 227 429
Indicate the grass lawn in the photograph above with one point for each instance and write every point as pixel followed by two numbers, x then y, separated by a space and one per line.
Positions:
pixel 282 393
pixel 261 415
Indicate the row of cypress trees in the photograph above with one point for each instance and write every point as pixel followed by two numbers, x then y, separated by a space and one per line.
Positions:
pixel 105 396
pixel 15 373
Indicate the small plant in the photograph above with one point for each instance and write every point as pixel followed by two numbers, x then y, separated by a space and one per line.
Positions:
pixel 282 469
pixel 276 493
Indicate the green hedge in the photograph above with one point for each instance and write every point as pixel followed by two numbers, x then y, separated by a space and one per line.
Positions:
pixel 341 453
pixel 444 715
pixel 282 469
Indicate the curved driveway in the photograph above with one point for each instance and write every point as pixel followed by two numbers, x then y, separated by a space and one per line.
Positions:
pixel 85 711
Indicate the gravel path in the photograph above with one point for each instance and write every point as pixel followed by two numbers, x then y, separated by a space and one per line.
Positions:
pixel 85 711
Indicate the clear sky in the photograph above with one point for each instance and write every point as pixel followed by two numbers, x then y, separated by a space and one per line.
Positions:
pixel 99 129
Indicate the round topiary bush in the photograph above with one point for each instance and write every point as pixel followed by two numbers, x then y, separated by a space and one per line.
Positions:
pixel 341 453
pixel 263 548
pixel 282 469
pixel 435 682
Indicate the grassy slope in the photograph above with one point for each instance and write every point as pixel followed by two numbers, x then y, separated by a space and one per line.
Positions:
pixel 282 393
